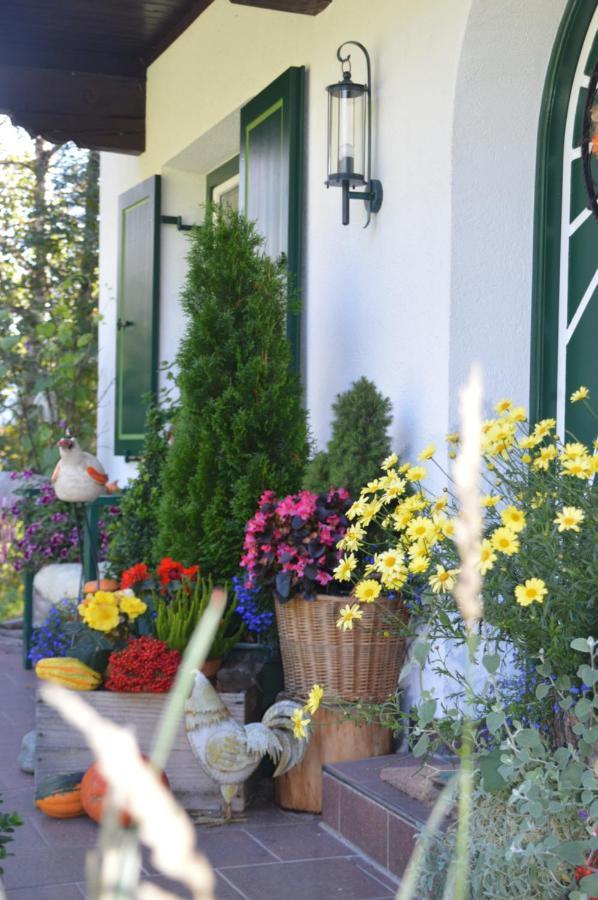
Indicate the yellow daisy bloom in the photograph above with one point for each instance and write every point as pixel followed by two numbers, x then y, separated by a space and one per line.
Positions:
pixel 416 473
pixel 440 503
pixel 421 529
pixel 578 467
pixel 489 500
pixel 443 580
pixel 573 449
pixel 453 437
pixel 544 427
pixel 368 590
pixel 345 567
pixel 502 406
pixel 419 564
pixel 369 511
pixel 505 541
pixel 300 724
pixel 487 557
pixel 513 518
pixel 390 461
pixel 528 442
pixel 428 452
pixel 582 393
pixel 533 591
pixel 546 455
pixel 353 536
pixel 348 615
pixel 526 458
pixel 371 487
pixel 518 414
pixel 314 699
pixel 569 518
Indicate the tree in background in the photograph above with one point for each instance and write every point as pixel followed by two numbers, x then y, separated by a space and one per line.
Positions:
pixel 359 442
pixel 48 284
pixel 241 428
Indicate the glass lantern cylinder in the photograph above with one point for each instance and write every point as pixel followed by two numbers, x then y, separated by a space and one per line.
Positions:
pixel 347 122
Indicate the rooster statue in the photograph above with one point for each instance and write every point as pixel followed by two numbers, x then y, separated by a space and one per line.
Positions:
pixel 229 752
pixel 79 476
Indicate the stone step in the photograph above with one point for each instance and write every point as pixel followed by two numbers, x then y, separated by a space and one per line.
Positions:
pixel 372 815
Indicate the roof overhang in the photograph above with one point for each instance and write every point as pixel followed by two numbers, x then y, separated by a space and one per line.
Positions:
pixel 76 69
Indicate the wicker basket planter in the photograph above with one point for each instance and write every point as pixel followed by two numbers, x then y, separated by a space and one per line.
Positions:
pixel 360 664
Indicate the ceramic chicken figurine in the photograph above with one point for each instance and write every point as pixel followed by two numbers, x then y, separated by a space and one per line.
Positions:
pixel 229 752
pixel 79 477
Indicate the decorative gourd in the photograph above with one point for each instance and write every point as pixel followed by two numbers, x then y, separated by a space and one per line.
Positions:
pixel 68 672
pixel 94 788
pixel 104 584
pixel 59 796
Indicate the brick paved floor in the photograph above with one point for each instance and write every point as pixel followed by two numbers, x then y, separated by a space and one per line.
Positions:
pixel 275 855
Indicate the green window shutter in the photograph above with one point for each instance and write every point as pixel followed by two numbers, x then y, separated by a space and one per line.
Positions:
pixel 565 291
pixel 138 307
pixel 271 174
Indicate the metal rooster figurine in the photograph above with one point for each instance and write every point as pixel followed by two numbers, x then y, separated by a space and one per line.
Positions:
pixel 79 477
pixel 229 752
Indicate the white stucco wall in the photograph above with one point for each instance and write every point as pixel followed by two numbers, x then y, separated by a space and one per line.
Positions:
pixel 443 274
pixel 501 77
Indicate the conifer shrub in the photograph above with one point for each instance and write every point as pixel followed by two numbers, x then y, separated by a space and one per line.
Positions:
pixel 133 534
pixel 241 428
pixel 359 442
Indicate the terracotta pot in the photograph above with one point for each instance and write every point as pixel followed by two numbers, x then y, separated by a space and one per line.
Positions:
pixel 361 664
pixel 211 666
pixel 101 584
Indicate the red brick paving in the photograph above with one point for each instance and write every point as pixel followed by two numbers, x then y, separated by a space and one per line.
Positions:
pixel 275 854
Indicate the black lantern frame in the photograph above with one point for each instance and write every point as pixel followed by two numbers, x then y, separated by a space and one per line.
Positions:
pixel 589 132
pixel 350 137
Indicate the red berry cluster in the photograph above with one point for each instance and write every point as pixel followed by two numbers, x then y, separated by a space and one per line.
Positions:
pixel 146 664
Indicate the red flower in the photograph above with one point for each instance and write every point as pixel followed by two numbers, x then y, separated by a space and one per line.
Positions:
pixel 134 575
pixel 170 570
pixel 146 664
pixel 191 572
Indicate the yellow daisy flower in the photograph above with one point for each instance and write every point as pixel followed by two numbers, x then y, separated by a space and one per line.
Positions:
pixel 518 414
pixel 443 580
pixel 300 724
pixel 348 615
pixel 513 518
pixel 502 406
pixel 416 473
pixel 582 393
pixel 419 564
pixel 573 449
pixel 421 529
pixel 505 541
pixel 569 518
pixel 489 500
pixel 533 591
pixel 487 557
pixel 544 427
pixel 578 467
pixel 314 699
pixel 427 453
pixel 528 442
pixel 546 455
pixel 368 590
pixel 346 565
pixel 352 538
pixel 526 458
pixel 440 503
pixel 453 437
pixel 390 461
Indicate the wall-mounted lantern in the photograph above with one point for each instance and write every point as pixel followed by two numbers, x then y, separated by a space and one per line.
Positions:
pixel 350 137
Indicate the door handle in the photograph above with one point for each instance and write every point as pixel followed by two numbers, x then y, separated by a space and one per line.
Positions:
pixel 123 323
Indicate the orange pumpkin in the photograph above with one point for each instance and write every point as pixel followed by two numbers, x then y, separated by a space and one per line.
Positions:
pixel 59 796
pixel 104 584
pixel 94 788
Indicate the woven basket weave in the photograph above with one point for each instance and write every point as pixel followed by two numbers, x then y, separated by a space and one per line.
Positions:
pixel 360 664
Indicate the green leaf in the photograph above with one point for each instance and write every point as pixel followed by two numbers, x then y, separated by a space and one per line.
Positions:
pixel 573 852
pixel 421 746
pixel 529 737
pixel 426 712
pixel 420 652
pixel 489 765
pixel 588 675
pixel 491 662
pixel 580 644
pixel 495 721
pixel 542 690
pixel 589 884
pixel 583 708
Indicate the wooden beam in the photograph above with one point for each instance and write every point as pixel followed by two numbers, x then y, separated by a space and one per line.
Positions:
pixel 50 56
pixel 96 111
pixel 175 28
pixel 304 7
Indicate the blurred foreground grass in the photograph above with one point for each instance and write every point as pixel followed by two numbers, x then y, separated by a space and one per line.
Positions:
pixel 11 593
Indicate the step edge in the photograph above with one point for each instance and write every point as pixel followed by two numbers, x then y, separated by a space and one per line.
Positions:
pixel 373 797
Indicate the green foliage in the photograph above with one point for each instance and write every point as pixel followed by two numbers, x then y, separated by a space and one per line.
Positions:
pixel 177 619
pixel 241 428
pixel 8 823
pixel 48 283
pixel 133 534
pixel 359 442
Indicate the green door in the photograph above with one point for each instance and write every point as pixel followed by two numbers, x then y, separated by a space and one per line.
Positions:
pixel 565 332
pixel 137 324
pixel 271 177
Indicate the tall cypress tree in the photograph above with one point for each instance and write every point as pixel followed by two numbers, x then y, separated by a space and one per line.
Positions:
pixel 241 428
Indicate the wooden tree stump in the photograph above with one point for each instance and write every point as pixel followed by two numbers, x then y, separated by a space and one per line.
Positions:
pixel 333 739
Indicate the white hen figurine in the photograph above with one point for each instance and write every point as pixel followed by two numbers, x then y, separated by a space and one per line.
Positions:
pixel 79 477
pixel 229 752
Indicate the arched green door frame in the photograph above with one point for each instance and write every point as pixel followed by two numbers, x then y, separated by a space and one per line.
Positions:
pixel 547 216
